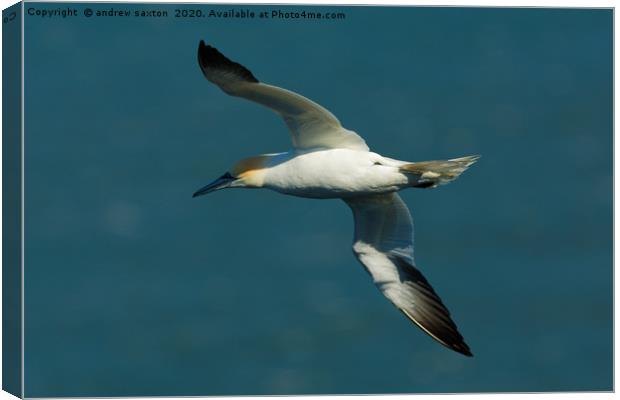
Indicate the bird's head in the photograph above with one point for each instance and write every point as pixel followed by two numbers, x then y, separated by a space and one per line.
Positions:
pixel 247 173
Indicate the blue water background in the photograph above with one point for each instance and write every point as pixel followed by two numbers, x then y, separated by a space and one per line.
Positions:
pixel 135 288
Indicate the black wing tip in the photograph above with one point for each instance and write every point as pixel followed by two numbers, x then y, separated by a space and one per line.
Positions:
pixel 209 53
pixel 450 339
pixel 449 336
pixel 209 56
pixel 462 348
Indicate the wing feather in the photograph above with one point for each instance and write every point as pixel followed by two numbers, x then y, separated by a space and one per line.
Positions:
pixel 310 125
pixel 384 245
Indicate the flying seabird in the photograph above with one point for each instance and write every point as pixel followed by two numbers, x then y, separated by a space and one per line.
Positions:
pixel 328 161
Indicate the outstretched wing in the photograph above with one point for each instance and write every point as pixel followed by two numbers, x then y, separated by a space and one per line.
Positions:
pixel 384 245
pixel 311 125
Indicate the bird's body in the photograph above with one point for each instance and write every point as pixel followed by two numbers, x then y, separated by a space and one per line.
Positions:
pixel 330 162
pixel 331 173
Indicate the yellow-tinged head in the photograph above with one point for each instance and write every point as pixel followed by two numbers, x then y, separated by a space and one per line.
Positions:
pixel 249 172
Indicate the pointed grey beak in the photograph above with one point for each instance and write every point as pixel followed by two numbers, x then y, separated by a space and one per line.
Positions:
pixel 222 182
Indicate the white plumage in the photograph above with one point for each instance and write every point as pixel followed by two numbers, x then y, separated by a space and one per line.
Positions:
pixel 329 161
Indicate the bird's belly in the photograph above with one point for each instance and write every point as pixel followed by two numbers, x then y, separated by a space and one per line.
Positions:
pixel 332 174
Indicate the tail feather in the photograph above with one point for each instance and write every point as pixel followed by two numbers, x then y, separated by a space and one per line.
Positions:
pixel 429 174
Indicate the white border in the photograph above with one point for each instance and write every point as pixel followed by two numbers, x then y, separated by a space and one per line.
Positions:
pixel 444 3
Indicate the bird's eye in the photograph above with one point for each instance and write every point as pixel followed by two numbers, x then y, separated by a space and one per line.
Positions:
pixel 377 163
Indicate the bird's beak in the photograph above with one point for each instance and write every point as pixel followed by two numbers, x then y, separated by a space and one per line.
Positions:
pixel 222 182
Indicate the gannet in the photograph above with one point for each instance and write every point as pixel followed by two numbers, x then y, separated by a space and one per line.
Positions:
pixel 330 162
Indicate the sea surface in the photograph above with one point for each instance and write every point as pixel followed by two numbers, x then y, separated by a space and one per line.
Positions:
pixel 134 288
